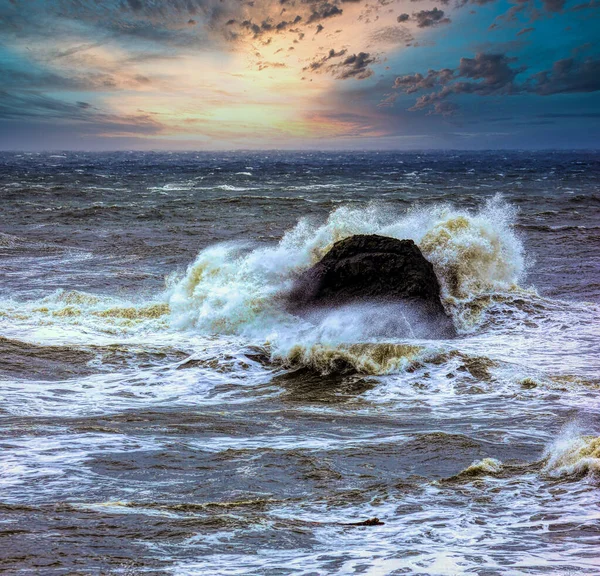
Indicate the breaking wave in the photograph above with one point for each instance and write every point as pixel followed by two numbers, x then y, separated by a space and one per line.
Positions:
pixel 239 290
pixel 370 358
pixel 484 467
pixel 573 454
pixel 234 289
pixel 84 314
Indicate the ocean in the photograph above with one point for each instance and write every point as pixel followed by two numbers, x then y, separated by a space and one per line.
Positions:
pixel 162 413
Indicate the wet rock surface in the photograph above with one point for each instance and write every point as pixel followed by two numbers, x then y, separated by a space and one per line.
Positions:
pixel 372 268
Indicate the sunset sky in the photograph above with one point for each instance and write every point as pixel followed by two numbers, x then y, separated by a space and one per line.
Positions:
pixel 295 74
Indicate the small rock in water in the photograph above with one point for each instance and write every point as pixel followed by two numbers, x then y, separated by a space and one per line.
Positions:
pixel 369 522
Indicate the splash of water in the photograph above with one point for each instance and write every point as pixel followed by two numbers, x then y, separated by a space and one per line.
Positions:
pixel 573 454
pixel 232 289
pixel 235 290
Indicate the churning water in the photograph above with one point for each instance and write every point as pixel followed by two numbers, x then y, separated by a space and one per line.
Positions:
pixel 161 412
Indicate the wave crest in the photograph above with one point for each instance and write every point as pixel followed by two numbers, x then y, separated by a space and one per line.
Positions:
pixel 237 289
pixel 234 289
pixel 480 468
pixel 573 455
pixel 475 254
pixel 370 358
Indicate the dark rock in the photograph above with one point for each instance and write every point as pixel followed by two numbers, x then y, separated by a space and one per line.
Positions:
pixel 371 268
pixel 369 522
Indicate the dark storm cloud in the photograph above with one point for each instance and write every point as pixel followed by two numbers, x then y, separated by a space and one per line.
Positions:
pixel 415 82
pixel 493 70
pixel 429 18
pixel 489 74
pixel 354 66
pixel 566 76
pixel 323 11
pixel 554 5
pixel 425 18
pixel 319 63
pixel 494 74
pixel 312 12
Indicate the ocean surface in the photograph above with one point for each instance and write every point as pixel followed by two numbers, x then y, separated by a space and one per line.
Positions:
pixel 161 413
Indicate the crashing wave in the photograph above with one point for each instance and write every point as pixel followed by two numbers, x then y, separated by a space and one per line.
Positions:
pixel 233 289
pixel 238 290
pixel 89 312
pixel 484 467
pixel 370 358
pixel 573 454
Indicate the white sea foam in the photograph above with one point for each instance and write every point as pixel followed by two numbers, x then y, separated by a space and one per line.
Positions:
pixel 573 454
pixel 233 289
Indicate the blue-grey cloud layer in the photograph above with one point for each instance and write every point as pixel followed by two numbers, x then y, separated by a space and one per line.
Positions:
pixel 533 63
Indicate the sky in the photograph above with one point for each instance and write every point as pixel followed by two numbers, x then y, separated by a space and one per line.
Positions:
pixel 299 74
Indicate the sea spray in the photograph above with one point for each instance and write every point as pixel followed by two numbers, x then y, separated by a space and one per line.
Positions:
pixel 234 289
pixel 239 290
pixel 573 454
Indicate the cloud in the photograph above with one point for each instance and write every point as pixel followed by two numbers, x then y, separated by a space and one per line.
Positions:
pixel 554 5
pixel 529 11
pixel 105 61
pixel 354 66
pixel 446 2
pixel 486 74
pixel 586 5
pixel 323 11
pixel 416 82
pixel 429 18
pixel 391 35
pixel 81 116
pixel 525 31
pixel 445 108
pixel 320 62
pixel 263 65
pixel 566 76
pixel 492 69
pixel 493 74
pixel 425 18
